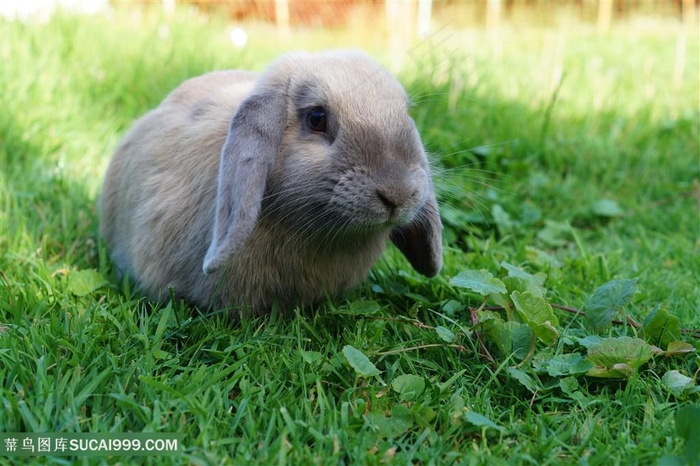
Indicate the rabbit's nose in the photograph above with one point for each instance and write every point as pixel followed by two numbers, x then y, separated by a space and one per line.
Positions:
pixel 395 199
pixel 387 200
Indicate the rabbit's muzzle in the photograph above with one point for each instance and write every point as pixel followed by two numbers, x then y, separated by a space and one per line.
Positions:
pixel 401 192
pixel 384 199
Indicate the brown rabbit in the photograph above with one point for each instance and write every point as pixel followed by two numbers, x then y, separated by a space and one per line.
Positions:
pixel 241 189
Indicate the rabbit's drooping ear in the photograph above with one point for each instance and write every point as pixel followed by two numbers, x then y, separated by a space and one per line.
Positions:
pixel 421 240
pixel 247 159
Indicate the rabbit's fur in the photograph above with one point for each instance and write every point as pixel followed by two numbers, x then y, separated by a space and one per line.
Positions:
pixel 227 194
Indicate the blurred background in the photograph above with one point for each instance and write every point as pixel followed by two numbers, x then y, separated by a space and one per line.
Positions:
pixel 417 15
pixel 428 37
pixel 392 26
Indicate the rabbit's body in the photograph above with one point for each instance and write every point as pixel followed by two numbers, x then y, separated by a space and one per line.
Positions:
pixel 150 188
pixel 205 178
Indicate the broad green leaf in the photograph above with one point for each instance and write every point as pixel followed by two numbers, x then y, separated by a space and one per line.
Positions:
pixel 540 360
pixel 542 259
pixel 451 307
pixel 607 208
pixel 485 320
pixel 676 382
pixel 661 328
pixel 523 284
pixel 408 386
pixel 84 282
pixel 590 340
pixel 538 314
pixel 310 357
pixel 569 385
pixel 618 357
pixel 564 365
pixel 445 334
pixel 555 234
pixel 616 371
pixel 688 428
pixel 478 281
pixel 502 219
pixel 628 350
pixel 519 280
pixel 503 300
pixel 512 338
pixel 514 271
pixel 480 420
pixel 547 332
pixel 389 426
pixel 606 301
pixel 529 382
pixel 361 363
pixel 679 347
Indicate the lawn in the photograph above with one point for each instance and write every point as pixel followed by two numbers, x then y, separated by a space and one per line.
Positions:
pixel 567 165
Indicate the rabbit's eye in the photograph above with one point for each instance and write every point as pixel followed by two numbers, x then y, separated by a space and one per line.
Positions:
pixel 316 119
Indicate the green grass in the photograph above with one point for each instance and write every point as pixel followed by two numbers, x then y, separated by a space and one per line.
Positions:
pixel 522 160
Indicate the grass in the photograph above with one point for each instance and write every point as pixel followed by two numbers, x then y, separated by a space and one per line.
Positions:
pixel 526 145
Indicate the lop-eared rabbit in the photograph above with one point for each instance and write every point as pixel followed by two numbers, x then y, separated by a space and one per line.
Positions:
pixel 242 188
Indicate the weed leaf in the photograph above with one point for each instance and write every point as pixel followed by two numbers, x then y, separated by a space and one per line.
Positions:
pixel 678 383
pixel 83 282
pixel 607 208
pixel 590 340
pixel 539 315
pixel 519 280
pixel 389 426
pixel 480 420
pixel 555 234
pixel 408 386
pixel 569 385
pixel 502 219
pixel 606 301
pixel 478 281
pixel 542 259
pixel 661 328
pixel 676 348
pixel 486 320
pixel 618 357
pixel 513 271
pixel 525 380
pixel 511 338
pixel 361 363
pixel 310 357
pixel 523 284
pixel 445 334
pixel 563 365
pixel 452 306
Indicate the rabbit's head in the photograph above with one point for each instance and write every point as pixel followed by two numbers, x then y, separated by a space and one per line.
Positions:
pixel 324 145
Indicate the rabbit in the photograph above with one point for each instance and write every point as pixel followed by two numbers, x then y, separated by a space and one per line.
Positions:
pixel 242 189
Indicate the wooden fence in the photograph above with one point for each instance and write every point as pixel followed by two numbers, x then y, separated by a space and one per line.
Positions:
pixel 331 13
